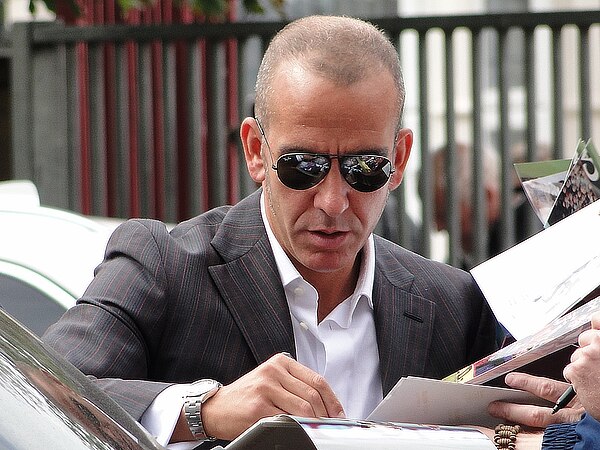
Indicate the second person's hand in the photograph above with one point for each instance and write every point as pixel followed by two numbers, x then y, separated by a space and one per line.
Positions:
pixel 531 415
pixel 584 369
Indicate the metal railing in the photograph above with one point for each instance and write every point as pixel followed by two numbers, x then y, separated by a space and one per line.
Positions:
pixel 124 120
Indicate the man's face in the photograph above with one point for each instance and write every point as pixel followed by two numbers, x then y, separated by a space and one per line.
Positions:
pixel 323 228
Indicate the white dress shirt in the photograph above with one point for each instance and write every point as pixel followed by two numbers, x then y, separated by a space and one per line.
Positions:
pixel 342 347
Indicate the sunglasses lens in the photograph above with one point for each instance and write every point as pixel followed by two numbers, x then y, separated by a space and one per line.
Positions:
pixel 301 170
pixel 366 173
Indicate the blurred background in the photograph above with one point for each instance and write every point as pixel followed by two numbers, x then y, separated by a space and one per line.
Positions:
pixel 135 113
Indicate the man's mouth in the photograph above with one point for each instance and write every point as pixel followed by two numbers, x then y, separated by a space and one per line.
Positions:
pixel 328 238
pixel 329 232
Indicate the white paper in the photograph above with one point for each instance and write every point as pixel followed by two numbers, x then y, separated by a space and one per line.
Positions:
pixel 428 401
pixel 538 280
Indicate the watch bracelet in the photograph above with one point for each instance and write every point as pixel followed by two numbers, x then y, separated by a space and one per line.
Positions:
pixel 193 417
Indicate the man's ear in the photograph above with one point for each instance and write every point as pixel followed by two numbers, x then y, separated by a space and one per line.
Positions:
pixel 404 143
pixel 252 143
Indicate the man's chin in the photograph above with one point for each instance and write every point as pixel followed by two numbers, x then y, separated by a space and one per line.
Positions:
pixel 326 262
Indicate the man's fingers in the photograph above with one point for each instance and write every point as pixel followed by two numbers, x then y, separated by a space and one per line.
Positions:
pixel 540 387
pixel 586 337
pixel 535 416
pixel 531 416
pixel 314 389
pixel 299 398
pixel 522 414
pixel 584 360
pixel 279 385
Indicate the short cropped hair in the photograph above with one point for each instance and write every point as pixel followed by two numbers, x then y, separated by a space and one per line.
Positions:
pixel 342 49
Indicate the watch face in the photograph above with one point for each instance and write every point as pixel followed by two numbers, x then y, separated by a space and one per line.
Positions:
pixel 203 387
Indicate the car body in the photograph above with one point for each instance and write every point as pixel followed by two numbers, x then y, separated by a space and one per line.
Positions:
pixel 47 255
pixel 48 404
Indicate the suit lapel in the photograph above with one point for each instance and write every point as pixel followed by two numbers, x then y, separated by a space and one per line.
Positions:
pixel 404 321
pixel 250 285
pixel 249 281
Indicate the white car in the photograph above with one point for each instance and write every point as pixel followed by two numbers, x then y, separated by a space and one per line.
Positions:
pixel 47 404
pixel 47 255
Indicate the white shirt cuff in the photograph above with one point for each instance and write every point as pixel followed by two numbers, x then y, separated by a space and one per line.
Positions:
pixel 163 413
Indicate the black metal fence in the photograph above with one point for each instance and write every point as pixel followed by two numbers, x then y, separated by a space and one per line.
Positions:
pixel 142 120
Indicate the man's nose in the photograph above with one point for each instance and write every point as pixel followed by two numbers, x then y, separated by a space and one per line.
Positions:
pixel 332 193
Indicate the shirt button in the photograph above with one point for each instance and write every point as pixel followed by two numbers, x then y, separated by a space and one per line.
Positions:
pixel 303 326
pixel 298 291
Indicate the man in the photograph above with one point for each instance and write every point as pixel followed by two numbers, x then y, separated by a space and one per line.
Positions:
pixel 292 269
pixel 492 197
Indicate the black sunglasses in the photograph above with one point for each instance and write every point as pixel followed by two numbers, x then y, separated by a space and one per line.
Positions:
pixel 300 171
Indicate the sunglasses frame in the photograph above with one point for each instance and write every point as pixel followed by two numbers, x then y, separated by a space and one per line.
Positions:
pixel 275 164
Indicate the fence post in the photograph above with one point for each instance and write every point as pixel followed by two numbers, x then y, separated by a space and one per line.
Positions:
pixel 22 102
pixel 40 141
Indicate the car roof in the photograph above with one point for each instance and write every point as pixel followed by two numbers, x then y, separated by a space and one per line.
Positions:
pixel 48 404
pixel 60 245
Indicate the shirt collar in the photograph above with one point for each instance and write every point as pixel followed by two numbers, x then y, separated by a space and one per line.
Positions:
pixel 289 273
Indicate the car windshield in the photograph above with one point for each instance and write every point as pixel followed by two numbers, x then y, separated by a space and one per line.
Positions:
pixel 49 404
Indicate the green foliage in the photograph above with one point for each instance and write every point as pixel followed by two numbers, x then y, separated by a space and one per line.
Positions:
pixel 253 6
pixel 209 8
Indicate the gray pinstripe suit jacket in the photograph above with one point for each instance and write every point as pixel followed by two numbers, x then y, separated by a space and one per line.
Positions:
pixel 206 301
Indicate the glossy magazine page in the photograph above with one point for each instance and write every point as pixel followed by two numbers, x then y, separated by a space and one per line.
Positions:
pixel 581 186
pixel 558 188
pixel 332 434
pixel 555 336
pixel 345 434
pixel 542 182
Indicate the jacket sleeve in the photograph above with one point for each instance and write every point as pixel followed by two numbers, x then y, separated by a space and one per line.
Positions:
pixel 107 333
pixel 588 433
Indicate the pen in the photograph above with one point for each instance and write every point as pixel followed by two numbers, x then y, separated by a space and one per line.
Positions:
pixel 564 399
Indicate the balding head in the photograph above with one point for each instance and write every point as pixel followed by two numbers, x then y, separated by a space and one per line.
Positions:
pixel 340 49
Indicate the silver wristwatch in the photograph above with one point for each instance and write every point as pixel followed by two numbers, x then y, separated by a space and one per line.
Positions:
pixel 198 393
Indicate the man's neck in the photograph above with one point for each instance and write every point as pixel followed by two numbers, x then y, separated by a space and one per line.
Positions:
pixel 333 288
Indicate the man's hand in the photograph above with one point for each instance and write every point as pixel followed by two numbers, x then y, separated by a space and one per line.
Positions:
pixel 584 369
pixel 280 385
pixel 536 416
